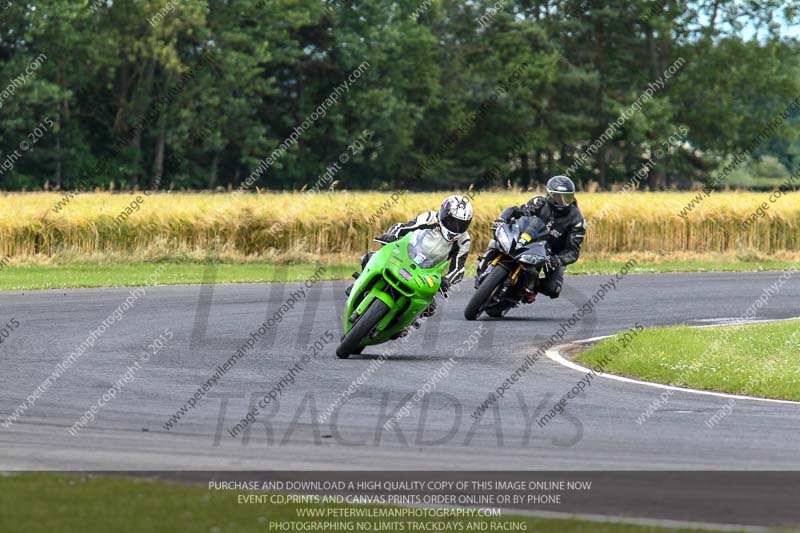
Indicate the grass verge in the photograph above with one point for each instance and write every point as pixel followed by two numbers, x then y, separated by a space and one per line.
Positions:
pixel 79 274
pixel 29 277
pixel 43 503
pixel 751 359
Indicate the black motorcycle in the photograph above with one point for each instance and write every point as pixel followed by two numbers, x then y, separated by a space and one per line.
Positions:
pixel 519 246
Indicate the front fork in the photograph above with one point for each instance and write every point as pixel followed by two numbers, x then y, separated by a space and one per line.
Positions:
pixel 492 257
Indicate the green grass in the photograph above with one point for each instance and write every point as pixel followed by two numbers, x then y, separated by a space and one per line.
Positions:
pixel 27 277
pixel 48 503
pixel 753 359
pixel 62 276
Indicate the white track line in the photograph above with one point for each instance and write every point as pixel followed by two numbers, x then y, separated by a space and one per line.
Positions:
pixel 554 354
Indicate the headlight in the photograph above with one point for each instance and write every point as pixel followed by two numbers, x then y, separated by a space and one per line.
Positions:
pixel 504 239
pixel 531 258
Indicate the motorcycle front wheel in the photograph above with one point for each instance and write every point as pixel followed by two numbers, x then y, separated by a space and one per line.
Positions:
pixel 351 343
pixel 485 292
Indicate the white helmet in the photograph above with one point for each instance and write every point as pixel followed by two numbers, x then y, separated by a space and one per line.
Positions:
pixel 455 214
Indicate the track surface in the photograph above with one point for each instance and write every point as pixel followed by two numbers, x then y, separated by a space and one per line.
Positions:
pixel 598 432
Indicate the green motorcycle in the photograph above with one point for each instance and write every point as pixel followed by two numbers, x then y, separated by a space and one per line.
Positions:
pixel 398 283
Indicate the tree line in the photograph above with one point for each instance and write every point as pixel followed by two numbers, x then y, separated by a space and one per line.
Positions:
pixel 210 94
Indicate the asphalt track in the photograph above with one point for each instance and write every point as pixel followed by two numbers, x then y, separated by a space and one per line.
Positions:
pixel 598 432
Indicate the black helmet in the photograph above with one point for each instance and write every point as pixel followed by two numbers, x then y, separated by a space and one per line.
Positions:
pixel 560 192
pixel 455 214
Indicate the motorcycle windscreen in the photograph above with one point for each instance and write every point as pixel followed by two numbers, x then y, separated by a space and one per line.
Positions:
pixel 427 248
pixel 534 227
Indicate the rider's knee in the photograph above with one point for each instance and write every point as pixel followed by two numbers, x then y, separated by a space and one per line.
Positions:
pixel 550 288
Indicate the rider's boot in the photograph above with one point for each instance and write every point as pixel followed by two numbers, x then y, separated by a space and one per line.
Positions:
pixel 426 314
pixel 531 290
pixel 528 296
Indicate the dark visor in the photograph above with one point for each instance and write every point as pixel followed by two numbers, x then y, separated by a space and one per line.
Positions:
pixel 563 198
pixel 455 225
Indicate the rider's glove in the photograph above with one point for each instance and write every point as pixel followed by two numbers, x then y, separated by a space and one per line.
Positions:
pixel 537 202
pixel 444 287
pixel 386 238
pixel 553 262
pixel 497 223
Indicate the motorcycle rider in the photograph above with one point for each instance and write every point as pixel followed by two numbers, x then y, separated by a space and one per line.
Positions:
pixel 566 227
pixel 451 221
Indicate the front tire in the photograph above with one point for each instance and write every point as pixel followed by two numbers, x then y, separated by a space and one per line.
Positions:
pixel 351 343
pixel 485 292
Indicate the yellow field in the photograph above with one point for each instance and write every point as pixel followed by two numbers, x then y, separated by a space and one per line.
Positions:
pixel 304 226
